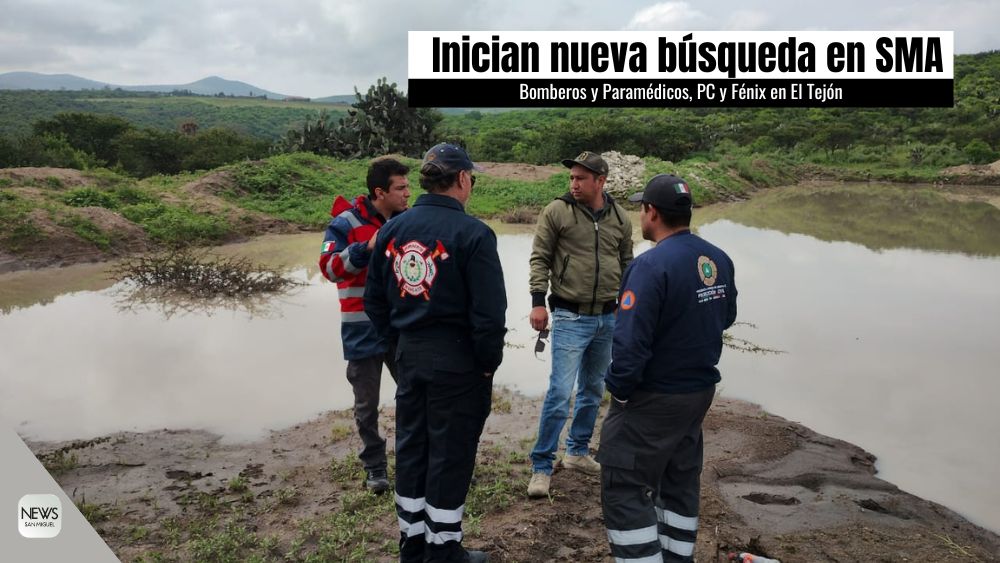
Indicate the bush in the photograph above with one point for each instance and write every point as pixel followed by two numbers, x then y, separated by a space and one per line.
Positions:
pixel 176 226
pixel 17 231
pixel 978 152
pixel 180 227
pixel 89 197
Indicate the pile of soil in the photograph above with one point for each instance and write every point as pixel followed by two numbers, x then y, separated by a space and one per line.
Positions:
pixel 770 486
pixel 519 171
pixel 61 246
pixel 973 174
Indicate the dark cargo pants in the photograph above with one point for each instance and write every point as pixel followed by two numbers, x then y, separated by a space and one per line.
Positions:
pixel 365 377
pixel 441 407
pixel 651 460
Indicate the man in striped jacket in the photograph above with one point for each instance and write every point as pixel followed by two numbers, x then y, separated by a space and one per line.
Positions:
pixel 347 248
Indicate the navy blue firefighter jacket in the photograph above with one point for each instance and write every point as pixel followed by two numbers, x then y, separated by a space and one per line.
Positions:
pixel 435 270
pixel 676 300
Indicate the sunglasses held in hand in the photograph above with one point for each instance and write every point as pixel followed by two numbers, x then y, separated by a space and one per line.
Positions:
pixel 543 335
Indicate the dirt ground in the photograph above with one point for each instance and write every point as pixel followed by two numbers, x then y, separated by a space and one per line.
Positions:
pixel 769 486
pixel 519 171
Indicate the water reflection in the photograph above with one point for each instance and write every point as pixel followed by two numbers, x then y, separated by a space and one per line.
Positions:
pixel 894 351
pixel 878 217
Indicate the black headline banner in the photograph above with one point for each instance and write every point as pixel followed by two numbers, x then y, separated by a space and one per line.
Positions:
pixel 512 92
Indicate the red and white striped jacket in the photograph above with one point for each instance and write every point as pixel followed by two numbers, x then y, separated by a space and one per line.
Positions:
pixel 344 261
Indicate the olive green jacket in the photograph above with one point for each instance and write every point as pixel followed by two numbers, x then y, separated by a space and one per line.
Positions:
pixel 580 256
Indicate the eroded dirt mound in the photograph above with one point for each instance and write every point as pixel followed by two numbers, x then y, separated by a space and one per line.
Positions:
pixel 519 171
pixel 31 176
pixel 204 195
pixel 975 169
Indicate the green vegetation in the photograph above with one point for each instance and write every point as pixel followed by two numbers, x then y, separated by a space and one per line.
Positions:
pixel 85 141
pixel 380 122
pixel 178 226
pixel 85 229
pixel 18 232
pixel 298 187
pixel 871 141
pixel 147 174
pixel 256 117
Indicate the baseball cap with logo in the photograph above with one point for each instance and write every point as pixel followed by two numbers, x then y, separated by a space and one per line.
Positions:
pixel 668 193
pixel 589 160
pixel 449 158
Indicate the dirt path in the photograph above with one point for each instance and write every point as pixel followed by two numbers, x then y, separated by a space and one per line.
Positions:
pixel 769 485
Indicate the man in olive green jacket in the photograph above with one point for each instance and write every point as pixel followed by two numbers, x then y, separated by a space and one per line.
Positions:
pixel 583 242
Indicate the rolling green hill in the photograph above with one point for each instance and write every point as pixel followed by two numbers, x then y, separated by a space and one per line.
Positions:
pixel 268 119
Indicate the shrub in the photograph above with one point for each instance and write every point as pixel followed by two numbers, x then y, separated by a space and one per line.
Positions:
pixel 89 197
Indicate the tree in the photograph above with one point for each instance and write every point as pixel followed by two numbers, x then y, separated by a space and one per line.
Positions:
pixel 86 132
pixel 380 122
pixel 978 152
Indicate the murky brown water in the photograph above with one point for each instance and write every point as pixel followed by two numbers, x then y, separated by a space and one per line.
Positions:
pixel 886 305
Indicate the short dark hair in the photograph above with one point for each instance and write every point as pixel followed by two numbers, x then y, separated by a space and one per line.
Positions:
pixel 433 179
pixel 381 169
pixel 671 220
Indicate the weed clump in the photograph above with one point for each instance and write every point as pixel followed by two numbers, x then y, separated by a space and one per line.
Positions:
pixel 200 275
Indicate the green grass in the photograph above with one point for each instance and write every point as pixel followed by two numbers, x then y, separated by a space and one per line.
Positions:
pixel 177 226
pixel 60 462
pixel 97 513
pixel 237 484
pixel 493 196
pixel 85 229
pixel 18 233
pixel 297 187
pixel 90 197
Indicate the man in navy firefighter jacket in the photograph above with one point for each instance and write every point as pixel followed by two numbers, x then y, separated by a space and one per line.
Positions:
pixel 676 300
pixel 347 249
pixel 436 286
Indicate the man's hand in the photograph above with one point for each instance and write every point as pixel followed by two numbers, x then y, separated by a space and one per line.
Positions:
pixel 371 241
pixel 539 318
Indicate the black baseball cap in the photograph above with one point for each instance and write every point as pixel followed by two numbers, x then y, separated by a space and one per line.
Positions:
pixel 667 193
pixel 449 158
pixel 589 160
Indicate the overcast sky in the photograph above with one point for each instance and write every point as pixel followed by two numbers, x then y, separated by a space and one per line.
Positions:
pixel 322 47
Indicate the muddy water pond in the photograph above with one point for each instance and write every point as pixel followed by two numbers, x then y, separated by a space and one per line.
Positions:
pixel 884 299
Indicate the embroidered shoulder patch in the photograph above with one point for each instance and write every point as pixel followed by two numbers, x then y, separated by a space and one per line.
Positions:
pixel 628 299
pixel 415 266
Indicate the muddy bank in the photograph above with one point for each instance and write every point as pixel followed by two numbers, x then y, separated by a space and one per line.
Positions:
pixel 769 485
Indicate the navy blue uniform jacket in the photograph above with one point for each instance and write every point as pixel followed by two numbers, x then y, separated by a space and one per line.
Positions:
pixel 435 270
pixel 676 300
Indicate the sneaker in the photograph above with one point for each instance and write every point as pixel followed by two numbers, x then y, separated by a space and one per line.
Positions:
pixel 538 487
pixel 476 557
pixel 377 481
pixel 582 463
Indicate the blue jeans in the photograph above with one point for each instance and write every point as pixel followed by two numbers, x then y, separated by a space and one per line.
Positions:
pixel 581 353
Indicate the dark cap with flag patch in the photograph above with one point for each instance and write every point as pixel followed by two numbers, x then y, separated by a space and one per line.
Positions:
pixel 668 193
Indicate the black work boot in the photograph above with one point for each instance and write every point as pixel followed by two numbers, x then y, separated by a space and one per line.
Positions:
pixel 377 481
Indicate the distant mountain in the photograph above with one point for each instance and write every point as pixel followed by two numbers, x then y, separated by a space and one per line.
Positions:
pixel 345 99
pixel 209 87
pixel 35 81
pixel 206 86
